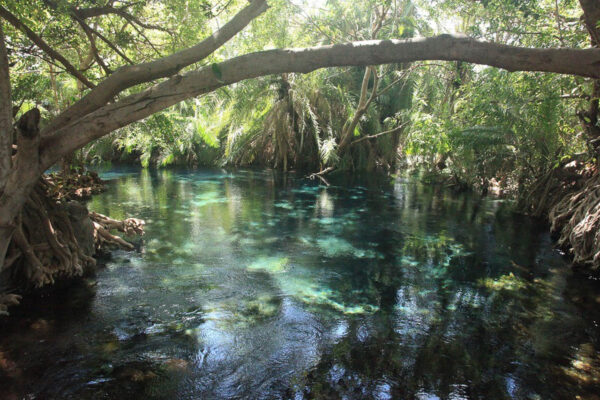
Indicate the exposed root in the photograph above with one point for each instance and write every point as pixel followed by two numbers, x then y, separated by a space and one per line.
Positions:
pixel 103 225
pixel 46 243
pixel 570 197
pixel 576 217
pixel 550 188
pixel 56 239
pixel 129 226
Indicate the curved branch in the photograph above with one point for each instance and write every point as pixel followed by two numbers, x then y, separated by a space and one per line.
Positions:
pixel 14 21
pixel 86 29
pixel 391 131
pixel 130 76
pixel 445 47
pixel 134 20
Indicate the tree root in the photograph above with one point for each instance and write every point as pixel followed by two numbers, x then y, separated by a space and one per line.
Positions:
pixel 49 242
pixel 547 190
pixel 129 226
pixel 570 197
pixel 576 217
pixel 103 225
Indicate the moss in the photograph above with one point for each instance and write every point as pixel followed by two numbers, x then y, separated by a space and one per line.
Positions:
pixel 270 264
pixel 505 282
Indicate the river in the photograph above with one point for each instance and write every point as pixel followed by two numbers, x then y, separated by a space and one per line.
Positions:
pixel 253 285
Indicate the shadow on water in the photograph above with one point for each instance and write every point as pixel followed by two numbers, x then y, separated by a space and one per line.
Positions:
pixel 251 284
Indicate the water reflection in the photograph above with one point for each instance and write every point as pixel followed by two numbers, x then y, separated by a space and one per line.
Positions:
pixel 249 285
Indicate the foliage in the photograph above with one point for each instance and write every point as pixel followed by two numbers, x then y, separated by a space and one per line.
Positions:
pixel 483 126
pixel 480 126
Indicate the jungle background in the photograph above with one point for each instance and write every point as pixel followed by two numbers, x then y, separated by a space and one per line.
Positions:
pixel 470 125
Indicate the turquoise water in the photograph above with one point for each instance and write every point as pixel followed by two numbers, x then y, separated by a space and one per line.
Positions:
pixel 251 285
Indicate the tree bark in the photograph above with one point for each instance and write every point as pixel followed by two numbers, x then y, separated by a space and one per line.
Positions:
pixel 591 18
pixel 6 137
pixel 21 179
pixel 6 117
pixel 361 108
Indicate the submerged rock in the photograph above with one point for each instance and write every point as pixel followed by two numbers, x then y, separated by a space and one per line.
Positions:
pixel 134 374
pixel 40 326
pixel 176 365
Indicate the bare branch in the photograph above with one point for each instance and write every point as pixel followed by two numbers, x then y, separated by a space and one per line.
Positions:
pixel 391 131
pixel 86 13
pixel 91 12
pixel 321 175
pixel 141 33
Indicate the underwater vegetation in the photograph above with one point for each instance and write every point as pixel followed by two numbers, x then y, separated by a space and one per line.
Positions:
pixel 247 286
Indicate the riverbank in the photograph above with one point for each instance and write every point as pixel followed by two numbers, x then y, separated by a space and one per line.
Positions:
pixel 56 238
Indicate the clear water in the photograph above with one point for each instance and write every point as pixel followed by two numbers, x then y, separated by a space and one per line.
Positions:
pixel 250 285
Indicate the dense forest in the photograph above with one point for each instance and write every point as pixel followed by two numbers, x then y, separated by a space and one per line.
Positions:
pixel 494 99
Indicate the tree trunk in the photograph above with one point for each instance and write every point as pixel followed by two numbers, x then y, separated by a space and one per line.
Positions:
pixel 591 17
pixel 6 234
pixel 590 117
pixel 22 176
pixel 362 107
pixel 6 135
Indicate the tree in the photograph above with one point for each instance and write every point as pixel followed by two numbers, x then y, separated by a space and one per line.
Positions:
pixel 98 113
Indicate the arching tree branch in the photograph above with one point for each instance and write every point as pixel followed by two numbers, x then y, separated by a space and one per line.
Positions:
pixel 445 47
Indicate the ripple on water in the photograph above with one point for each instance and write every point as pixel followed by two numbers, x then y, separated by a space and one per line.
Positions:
pixel 248 288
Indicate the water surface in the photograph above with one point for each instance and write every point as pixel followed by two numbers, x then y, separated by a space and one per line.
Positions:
pixel 250 285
